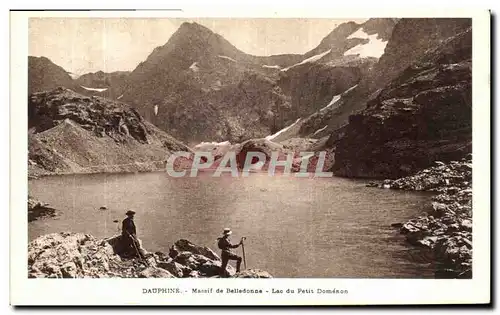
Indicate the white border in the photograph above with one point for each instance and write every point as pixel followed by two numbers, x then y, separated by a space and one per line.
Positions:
pixel 361 291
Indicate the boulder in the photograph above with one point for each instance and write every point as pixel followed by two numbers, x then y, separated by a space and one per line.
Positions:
pixel 173 267
pixel 252 273
pixel 183 245
pixel 155 272
pixel 38 209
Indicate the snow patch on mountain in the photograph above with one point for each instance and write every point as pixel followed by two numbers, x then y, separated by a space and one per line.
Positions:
pixel 194 67
pixel 202 144
pixel 271 137
pixel 227 58
pixel 119 97
pixel 310 59
pixel 334 100
pixel 93 89
pixel 271 67
pixel 374 48
pixel 74 76
pixel 320 130
pixel 360 33
pixel 337 97
pixel 349 89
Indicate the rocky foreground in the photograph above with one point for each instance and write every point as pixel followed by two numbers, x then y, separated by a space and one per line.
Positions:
pixel 447 228
pixel 77 255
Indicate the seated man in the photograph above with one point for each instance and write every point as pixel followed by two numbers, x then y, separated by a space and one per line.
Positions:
pixel 131 243
pixel 224 243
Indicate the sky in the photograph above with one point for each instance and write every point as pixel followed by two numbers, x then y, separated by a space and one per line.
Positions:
pixel 82 45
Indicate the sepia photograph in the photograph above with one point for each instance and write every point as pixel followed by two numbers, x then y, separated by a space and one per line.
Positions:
pixel 249 147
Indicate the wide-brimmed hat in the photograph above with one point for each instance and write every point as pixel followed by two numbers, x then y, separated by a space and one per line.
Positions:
pixel 227 231
pixel 130 212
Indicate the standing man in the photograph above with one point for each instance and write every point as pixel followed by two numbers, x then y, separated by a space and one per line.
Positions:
pixel 225 245
pixel 129 235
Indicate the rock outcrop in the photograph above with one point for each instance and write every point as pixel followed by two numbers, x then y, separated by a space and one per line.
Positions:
pixel 423 115
pixel 77 255
pixel 72 133
pixel 38 209
pixel 447 228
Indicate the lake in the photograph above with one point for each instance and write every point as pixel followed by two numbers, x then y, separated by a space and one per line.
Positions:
pixel 295 227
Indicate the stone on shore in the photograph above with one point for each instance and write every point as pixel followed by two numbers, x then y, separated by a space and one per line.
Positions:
pixel 38 209
pixel 252 273
pixel 447 227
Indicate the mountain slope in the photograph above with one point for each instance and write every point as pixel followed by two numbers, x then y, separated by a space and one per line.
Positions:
pixel 409 41
pixel 111 84
pixel 423 115
pixel 72 133
pixel 44 75
pixel 199 87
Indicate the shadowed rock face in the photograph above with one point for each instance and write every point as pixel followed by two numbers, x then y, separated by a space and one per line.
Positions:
pixel 311 87
pixel 72 133
pixel 77 255
pixel 409 41
pixel 38 209
pixel 421 116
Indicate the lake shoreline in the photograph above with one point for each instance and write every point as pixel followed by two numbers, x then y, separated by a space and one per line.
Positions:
pixel 447 228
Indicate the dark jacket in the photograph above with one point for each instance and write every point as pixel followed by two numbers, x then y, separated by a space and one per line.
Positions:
pixel 226 245
pixel 128 227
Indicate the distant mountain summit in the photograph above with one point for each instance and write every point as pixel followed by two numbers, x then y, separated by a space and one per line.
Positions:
pixel 45 75
pixel 200 87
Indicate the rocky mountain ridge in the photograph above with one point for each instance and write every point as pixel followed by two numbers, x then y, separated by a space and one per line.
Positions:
pixel 410 40
pixel 198 78
pixel 423 115
pixel 73 133
pixel 226 91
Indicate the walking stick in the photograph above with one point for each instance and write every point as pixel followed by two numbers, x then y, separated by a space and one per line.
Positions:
pixel 137 250
pixel 243 248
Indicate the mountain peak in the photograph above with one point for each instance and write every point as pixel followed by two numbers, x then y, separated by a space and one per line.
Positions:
pixel 190 43
pixel 45 75
pixel 193 26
